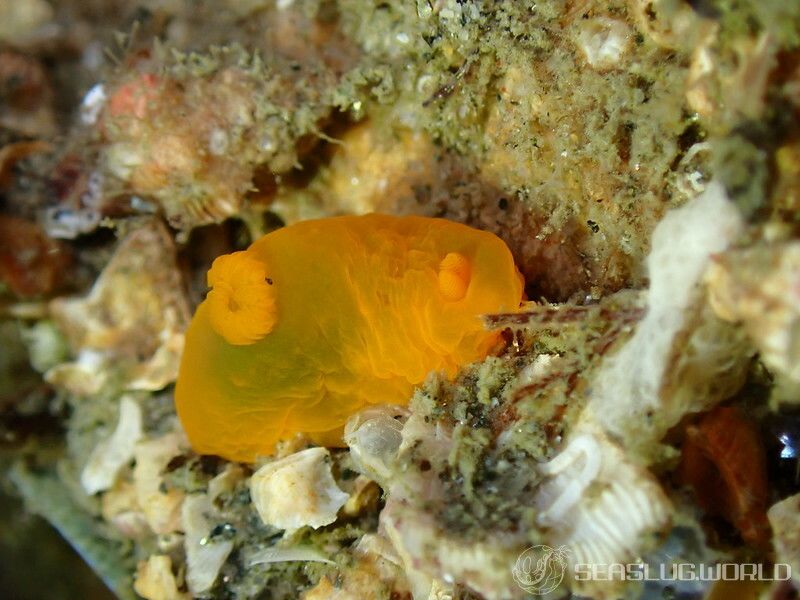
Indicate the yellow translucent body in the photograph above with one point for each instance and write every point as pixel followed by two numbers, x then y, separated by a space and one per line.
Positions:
pixel 358 310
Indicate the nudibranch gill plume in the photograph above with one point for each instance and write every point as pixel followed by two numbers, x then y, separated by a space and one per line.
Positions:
pixel 317 320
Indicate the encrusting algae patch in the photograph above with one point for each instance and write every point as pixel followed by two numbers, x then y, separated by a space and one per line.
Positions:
pixel 319 319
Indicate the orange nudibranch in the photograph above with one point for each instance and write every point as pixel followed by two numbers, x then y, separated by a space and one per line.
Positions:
pixel 320 319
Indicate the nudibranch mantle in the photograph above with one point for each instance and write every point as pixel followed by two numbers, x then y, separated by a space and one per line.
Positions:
pixel 322 318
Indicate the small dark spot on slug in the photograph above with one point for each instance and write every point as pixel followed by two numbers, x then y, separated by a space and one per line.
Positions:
pixel 268 280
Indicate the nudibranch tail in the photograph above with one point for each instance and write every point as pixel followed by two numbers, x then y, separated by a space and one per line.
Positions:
pixel 242 305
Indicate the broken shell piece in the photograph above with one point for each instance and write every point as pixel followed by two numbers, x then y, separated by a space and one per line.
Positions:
pixel 226 481
pixel 204 555
pixel 365 496
pixel 434 556
pixel 668 23
pixel 112 454
pixel 155 581
pixel 120 508
pixel 84 376
pixel 277 555
pixel 784 517
pixel 760 287
pixel 604 42
pixel 431 558
pixel 162 509
pixel 297 491
pixel 133 318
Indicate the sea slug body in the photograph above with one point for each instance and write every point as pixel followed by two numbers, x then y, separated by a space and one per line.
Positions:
pixel 320 319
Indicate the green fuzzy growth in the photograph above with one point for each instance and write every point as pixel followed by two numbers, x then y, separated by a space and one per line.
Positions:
pixel 750 17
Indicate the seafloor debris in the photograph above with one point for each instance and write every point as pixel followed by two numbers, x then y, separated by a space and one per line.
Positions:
pixel 783 518
pixel 31 264
pixel 131 323
pixel 724 461
pixel 155 580
pixel 297 491
pixel 682 358
pixel 639 158
pixel 112 454
pixel 760 287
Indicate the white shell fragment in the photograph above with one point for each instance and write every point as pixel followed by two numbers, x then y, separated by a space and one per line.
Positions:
pixel 161 509
pixel 604 42
pixel 431 558
pixel 120 508
pixel 204 556
pixel 276 555
pixel 297 491
pixel 155 581
pixel 784 518
pixel 112 454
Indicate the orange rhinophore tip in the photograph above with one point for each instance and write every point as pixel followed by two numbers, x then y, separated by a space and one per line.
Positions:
pixel 323 318
pixel 241 303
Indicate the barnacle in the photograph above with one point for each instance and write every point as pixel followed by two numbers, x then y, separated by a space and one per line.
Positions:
pixel 322 318
pixel 374 437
